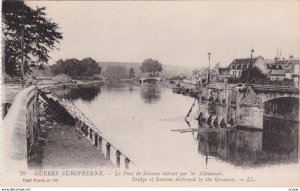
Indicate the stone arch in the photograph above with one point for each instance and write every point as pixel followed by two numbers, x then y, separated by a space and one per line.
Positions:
pixel 150 80
pixel 282 107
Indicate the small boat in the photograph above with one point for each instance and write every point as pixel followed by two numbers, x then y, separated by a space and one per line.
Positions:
pixel 185 91
pixel 194 93
pixel 177 90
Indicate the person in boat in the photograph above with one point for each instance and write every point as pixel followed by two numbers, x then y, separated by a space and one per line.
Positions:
pixel 178 85
pixel 222 124
pixel 209 120
pixel 200 119
pixel 216 122
pixel 231 121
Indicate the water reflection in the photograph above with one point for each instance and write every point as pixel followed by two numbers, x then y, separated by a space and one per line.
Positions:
pixel 129 110
pixel 116 86
pixel 86 94
pixel 150 93
pixel 276 144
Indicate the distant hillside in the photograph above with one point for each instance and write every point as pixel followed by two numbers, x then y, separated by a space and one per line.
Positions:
pixel 167 69
pixel 177 70
pixel 128 65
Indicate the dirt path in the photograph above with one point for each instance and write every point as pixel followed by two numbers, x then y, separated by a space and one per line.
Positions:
pixel 67 148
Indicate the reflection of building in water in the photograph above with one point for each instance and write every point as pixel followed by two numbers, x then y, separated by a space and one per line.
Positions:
pixel 150 93
pixel 277 143
pixel 280 138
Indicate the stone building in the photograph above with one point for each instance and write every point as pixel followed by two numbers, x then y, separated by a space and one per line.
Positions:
pixel 238 65
pixel 284 69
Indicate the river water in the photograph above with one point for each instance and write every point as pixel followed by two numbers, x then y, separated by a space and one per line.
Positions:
pixel 143 122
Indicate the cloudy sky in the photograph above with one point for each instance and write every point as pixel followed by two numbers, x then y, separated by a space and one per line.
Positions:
pixel 177 33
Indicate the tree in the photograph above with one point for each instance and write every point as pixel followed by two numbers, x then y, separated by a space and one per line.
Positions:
pixel 151 67
pixel 251 74
pixel 40 36
pixel 116 72
pixel 75 68
pixel 131 73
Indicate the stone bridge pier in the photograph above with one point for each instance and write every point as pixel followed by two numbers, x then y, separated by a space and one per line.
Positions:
pixel 246 106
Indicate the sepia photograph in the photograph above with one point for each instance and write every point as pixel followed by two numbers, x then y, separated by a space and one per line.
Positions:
pixel 150 94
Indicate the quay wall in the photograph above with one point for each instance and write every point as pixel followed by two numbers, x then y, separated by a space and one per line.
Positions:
pixel 19 130
pixel 20 126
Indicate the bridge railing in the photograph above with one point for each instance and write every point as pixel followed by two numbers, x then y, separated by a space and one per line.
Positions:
pixel 285 82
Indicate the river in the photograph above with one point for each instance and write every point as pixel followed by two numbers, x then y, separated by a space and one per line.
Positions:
pixel 140 121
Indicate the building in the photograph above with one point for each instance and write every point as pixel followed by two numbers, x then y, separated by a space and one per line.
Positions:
pixel 62 78
pixel 284 69
pixel 292 70
pixel 240 64
pixel 217 74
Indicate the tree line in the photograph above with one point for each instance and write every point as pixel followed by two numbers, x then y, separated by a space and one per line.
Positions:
pixel 75 68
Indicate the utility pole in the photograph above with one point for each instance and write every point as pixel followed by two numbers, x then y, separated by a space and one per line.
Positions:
pixel 22 47
pixel 208 79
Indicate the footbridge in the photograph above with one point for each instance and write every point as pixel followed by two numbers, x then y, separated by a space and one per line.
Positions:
pixel 150 80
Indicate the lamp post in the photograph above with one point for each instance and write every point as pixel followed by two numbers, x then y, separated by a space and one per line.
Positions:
pixel 208 78
pixel 250 65
pixel 252 51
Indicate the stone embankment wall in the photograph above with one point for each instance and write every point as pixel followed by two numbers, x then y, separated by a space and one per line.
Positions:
pixel 19 130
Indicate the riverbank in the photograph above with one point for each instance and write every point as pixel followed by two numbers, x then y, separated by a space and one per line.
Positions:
pixel 70 85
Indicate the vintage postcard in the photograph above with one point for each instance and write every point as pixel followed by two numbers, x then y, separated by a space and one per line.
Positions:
pixel 150 94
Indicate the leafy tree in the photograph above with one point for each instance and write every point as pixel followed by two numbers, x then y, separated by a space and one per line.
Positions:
pixel 151 67
pixel 252 73
pixel 116 72
pixel 131 73
pixel 41 35
pixel 75 68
